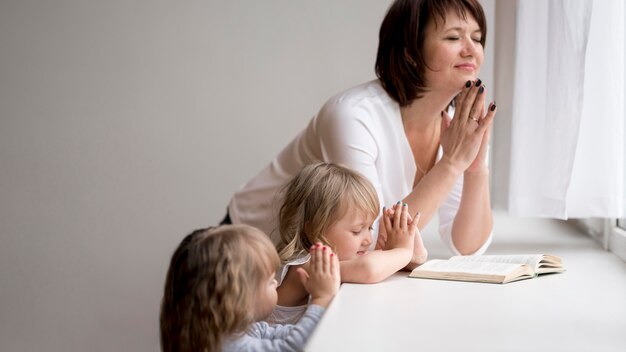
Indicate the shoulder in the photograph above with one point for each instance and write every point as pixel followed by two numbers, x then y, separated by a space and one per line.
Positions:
pixel 362 96
pixel 291 292
pixel 365 100
pixel 366 108
pixel 300 260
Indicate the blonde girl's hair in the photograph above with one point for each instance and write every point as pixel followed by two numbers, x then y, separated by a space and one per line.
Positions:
pixel 211 285
pixel 318 196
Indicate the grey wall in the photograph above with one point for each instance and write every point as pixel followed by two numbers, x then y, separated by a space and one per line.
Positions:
pixel 125 124
pixel 503 68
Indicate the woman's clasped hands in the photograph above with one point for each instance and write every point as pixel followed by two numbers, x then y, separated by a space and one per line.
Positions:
pixel 465 138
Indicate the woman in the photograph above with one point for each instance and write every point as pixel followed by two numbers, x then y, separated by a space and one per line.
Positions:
pixel 396 130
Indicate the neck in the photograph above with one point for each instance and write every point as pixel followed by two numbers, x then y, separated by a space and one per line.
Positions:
pixel 425 111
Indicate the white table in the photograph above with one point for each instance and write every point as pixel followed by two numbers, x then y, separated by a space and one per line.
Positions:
pixel 583 309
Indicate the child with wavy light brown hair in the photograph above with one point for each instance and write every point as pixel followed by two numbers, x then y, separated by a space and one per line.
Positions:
pixel 221 285
pixel 334 205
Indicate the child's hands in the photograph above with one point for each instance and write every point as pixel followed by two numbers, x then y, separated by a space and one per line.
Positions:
pixel 321 279
pixel 399 227
pixel 396 225
pixel 420 254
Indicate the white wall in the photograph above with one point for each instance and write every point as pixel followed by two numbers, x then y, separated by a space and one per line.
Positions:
pixel 125 124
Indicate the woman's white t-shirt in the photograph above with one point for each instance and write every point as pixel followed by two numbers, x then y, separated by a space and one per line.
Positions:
pixel 360 128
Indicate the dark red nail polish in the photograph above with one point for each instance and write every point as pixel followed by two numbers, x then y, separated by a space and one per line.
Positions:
pixel 481 89
pixel 478 82
pixel 468 84
pixel 493 106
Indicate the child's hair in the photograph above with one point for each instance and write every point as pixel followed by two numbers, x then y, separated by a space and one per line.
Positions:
pixel 318 196
pixel 211 285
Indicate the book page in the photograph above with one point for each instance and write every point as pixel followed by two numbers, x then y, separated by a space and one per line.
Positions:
pixel 531 260
pixel 550 264
pixel 475 267
pixel 475 271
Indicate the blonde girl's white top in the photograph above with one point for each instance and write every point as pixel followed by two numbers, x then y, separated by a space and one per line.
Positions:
pixel 288 315
pixel 360 128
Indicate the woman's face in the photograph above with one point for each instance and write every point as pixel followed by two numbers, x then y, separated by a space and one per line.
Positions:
pixel 452 51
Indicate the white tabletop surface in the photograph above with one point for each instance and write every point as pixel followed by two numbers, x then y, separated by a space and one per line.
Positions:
pixel 583 309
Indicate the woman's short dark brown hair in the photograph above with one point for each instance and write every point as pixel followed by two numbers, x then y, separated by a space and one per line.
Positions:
pixel 401 39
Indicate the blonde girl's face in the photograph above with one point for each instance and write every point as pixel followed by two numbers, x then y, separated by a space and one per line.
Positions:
pixel 266 298
pixel 351 235
pixel 452 51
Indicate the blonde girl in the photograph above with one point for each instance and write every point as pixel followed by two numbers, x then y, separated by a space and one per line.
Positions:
pixel 336 206
pixel 220 285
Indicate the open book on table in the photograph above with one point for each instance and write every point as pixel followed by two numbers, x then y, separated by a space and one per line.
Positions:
pixel 498 269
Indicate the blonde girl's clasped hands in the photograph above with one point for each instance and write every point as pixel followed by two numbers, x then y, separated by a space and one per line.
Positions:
pixel 337 207
pixel 401 231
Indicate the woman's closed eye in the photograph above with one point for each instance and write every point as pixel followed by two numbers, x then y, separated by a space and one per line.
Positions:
pixel 455 38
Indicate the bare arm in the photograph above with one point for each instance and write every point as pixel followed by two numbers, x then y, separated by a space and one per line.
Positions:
pixel 375 266
pixel 378 265
pixel 465 147
pixel 473 222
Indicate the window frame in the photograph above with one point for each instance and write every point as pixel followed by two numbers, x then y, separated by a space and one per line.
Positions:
pixel 615 237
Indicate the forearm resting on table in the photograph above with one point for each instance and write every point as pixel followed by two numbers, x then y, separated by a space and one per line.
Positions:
pixel 473 222
pixel 417 259
pixel 375 266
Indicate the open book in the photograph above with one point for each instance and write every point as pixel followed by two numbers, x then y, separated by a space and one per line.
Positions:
pixel 498 269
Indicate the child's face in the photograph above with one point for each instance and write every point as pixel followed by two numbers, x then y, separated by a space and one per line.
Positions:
pixel 351 235
pixel 266 298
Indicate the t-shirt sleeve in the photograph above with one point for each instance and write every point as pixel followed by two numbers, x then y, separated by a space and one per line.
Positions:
pixel 285 337
pixel 346 138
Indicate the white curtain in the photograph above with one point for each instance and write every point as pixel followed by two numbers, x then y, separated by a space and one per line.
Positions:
pixel 567 129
